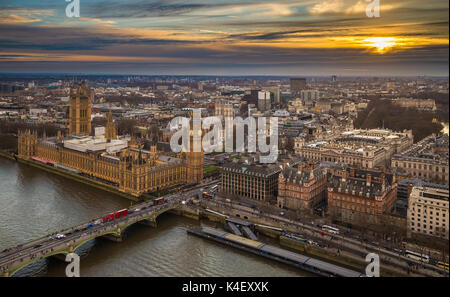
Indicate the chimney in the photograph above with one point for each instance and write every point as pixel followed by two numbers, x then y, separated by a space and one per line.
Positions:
pixel 383 182
pixel 368 179
pixel 410 187
pixel 352 172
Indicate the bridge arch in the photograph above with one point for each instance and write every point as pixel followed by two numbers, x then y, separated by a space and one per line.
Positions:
pixel 116 230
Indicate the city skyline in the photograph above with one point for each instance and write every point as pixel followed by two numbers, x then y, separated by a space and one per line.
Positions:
pixel 268 38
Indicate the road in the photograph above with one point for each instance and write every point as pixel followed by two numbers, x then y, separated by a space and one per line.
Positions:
pixel 15 256
pixel 336 242
pixel 342 243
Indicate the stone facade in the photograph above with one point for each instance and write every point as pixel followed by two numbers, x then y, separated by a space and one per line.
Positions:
pixel 80 104
pixel 365 148
pixel 428 212
pixel 427 160
pixel 359 196
pixel 259 182
pixel 110 160
pixel 302 187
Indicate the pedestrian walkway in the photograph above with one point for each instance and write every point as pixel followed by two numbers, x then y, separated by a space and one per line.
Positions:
pixel 234 228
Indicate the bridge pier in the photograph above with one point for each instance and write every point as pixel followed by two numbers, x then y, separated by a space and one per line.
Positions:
pixel 151 223
pixel 6 272
pixel 116 237
pixel 60 257
pixel 113 237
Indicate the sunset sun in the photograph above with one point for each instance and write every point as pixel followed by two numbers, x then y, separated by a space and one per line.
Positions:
pixel 381 44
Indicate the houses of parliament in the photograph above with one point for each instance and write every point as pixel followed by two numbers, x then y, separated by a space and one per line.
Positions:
pixel 118 161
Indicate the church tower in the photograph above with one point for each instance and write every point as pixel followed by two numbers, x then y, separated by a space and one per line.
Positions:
pixel 80 105
pixel 110 130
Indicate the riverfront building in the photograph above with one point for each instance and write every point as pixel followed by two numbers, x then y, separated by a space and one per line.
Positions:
pixel 120 162
pixel 428 212
pixel 360 196
pixel 302 187
pixel 253 181
pixel 246 178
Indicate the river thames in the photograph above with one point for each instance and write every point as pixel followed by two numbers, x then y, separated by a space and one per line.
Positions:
pixel 34 203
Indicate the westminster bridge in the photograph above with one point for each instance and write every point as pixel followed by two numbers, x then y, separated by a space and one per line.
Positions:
pixel 14 259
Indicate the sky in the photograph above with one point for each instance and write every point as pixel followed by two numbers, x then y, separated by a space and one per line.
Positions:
pixel 226 37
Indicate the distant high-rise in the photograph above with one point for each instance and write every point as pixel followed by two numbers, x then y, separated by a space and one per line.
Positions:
pixel 298 84
pixel 263 101
pixel 275 90
pixel 252 97
pixel 334 78
pixel 309 95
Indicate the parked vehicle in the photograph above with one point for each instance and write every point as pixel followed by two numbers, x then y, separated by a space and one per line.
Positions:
pixel 330 229
pixel 159 201
pixel 417 256
pixel 442 265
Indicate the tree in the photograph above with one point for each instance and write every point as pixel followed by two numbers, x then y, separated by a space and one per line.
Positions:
pixel 126 126
pixel 382 112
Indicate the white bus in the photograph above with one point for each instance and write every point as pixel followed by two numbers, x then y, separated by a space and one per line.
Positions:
pixel 417 256
pixel 330 229
pixel 213 189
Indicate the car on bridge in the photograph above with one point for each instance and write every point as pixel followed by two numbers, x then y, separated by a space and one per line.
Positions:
pixel 60 236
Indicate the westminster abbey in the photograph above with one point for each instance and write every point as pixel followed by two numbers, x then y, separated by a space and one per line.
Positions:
pixel 118 161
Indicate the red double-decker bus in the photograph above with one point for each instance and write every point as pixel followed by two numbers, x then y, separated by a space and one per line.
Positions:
pixel 109 217
pixel 115 215
pixel 121 213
